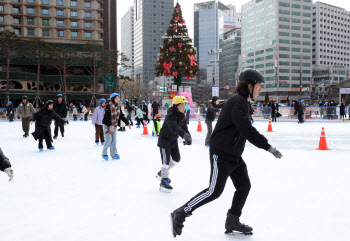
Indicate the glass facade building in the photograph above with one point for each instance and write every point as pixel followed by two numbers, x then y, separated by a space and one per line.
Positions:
pixel 127 44
pixel 151 20
pixel 277 41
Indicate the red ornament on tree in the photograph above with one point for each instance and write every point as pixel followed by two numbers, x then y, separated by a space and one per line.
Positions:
pixel 190 77
pixel 192 59
pixel 175 27
pixel 179 44
pixel 175 74
pixel 171 48
pixel 167 67
pixel 177 19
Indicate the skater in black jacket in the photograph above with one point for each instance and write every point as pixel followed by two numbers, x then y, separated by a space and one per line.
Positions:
pixel 213 108
pixel 227 145
pixel 43 119
pixel 61 109
pixel 5 165
pixel 174 126
pixel 298 109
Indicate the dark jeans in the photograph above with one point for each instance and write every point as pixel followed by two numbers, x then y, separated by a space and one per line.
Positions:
pixel 25 124
pixel 74 117
pixel 210 131
pixel 273 117
pixel 47 136
pixel 145 117
pixel 300 117
pixel 139 121
pixel 86 116
pixel 188 117
pixel 129 118
pixel 221 170
pixel 154 114
pixel 10 117
pixel 56 129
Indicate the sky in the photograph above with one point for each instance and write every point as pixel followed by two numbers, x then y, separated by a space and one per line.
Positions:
pixel 187 10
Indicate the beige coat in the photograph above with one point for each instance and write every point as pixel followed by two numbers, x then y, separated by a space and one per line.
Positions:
pixel 25 110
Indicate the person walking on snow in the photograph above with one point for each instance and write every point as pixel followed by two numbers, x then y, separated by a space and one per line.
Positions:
pixel 60 109
pixel 97 119
pixel 139 117
pixel 5 165
pixel 110 123
pixel 213 108
pixel 43 119
pixel 149 108
pixel 121 124
pixel 10 111
pixel 174 126
pixel 129 108
pixel 227 145
pixel 25 110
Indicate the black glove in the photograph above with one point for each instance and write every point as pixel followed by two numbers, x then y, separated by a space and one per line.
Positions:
pixel 66 122
pixel 188 139
pixel 275 152
pixel 18 117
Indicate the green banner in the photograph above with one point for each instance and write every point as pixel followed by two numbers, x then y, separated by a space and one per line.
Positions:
pixel 110 82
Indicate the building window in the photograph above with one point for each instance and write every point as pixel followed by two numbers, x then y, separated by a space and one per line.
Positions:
pixel 285 12
pixel 295 42
pixel 45 11
pixel 99 5
pixel 31 32
pixel 296 35
pixel 30 1
pixel 1 8
pixel 15 10
pixel 60 33
pixel 46 22
pixel 284 34
pixel 46 33
pixel 30 21
pixel 1 19
pixel 99 15
pixel 295 20
pixel 87 4
pixel 16 20
pixel 16 1
pixel 306 21
pixel 284 48
pixel 73 13
pixel 60 23
pixel 74 34
pixel 88 35
pixel 307 7
pixel 1 28
pixel 87 25
pixel 284 19
pixel 30 10
pixel 59 12
pixel 296 6
pixel 17 31
pixel 73 3
pixel 306 29
pixel 87 14
pixel 284 41
pixel 74 24
pixel 46 2
pixel 59 2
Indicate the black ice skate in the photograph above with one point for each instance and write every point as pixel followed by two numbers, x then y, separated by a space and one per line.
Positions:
pixel 159 175
pixel 177 219
pixel 165 185
pixel 233 225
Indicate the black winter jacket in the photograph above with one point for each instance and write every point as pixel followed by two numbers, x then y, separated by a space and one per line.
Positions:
pixel 9 109
pixel 211 112
pixel 43 119
pixel 60 109
pixel 144 108
pixel 155 107
pixel 234 128
pixel 4 161
pixel 172 128
pixel 274 108
pixel 298 108
pixel 128 107
pixel 107 118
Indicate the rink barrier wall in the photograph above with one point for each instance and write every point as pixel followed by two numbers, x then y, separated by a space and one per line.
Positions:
pixel 260 112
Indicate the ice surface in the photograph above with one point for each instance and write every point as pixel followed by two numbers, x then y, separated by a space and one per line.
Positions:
pixel 72 194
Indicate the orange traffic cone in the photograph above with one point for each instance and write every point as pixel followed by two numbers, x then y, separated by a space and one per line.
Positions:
pixel 323 142
pixel 269 129
pixel 145 131
pixel 199 128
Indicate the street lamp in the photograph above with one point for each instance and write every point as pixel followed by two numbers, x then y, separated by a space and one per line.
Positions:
pixel 216 53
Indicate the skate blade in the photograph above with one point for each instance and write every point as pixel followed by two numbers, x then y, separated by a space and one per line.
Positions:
pixel 239 233
pixel 162 189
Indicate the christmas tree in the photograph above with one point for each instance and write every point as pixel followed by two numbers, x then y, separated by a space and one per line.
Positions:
pixel 177 56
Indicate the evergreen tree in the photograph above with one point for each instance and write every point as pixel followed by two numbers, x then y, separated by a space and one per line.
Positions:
pixel 267 99
pixel 177 56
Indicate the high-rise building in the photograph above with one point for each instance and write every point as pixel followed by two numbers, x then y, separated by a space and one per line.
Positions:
pixel 127 44
pixel 331 35
pixel 276 40
pixel 70 23
pixel 230 44
pixel 211 19
pixel 151 20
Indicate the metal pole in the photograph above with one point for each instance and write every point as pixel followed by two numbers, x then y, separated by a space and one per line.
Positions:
pixel 301 57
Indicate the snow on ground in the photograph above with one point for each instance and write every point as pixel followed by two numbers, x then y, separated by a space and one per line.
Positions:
pixel 71 194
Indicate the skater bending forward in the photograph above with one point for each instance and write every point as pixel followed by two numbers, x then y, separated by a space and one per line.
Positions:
pixel 227 144
pixel 174 126
pixel 5 165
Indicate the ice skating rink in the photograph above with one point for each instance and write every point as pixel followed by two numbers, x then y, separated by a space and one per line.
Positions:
pixel 72 194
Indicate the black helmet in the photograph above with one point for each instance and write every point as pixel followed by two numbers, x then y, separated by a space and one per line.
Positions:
pixel 251 75
pixel 24 97
pixel 49 102
pixel 214 98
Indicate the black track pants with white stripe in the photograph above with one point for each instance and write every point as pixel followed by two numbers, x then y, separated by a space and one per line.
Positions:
pixel 221 169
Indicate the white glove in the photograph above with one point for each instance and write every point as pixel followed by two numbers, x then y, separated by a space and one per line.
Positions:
pixel 275 152
pixel 9 172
